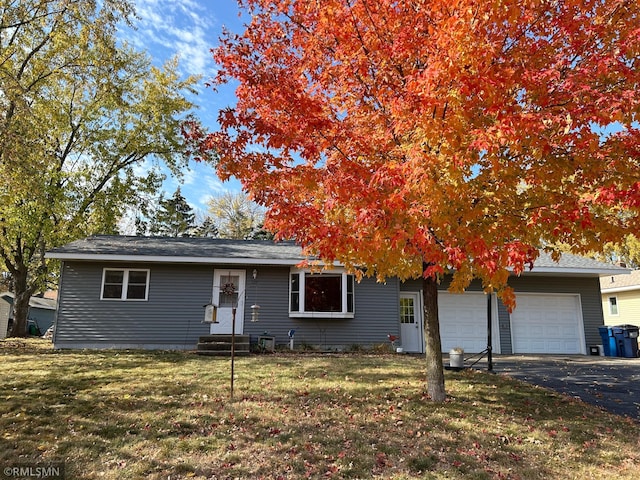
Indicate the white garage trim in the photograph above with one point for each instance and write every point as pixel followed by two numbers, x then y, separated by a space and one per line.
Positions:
pixel 463 321
pixel 548 323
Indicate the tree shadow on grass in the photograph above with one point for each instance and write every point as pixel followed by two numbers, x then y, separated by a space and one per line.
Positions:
pixel 133 414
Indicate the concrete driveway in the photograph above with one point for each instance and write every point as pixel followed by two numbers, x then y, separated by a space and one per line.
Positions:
pixel 611 383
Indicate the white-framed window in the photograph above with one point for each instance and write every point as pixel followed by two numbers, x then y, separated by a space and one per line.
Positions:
pixel 321 295
pixel 131 284
pixel 613 306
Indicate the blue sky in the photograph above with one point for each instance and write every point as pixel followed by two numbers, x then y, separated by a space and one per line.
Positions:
pixel 189 29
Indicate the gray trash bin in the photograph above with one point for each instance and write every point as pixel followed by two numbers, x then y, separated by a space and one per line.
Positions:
pixel 627 340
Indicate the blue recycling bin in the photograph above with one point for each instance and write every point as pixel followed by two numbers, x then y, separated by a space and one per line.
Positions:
pixel 626 340
pixel 609 342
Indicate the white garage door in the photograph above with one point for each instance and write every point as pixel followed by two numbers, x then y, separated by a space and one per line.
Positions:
pixel 547 324
pixel 463 321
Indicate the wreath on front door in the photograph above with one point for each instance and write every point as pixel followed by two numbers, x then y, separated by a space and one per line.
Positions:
pixel 228 288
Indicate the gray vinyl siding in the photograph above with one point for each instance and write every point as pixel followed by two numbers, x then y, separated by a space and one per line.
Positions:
pixel 504 326
pixel 171 318
pixel 415 285
pixel 376 314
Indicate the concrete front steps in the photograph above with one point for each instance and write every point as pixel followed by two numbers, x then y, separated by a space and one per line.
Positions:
pixel 220 345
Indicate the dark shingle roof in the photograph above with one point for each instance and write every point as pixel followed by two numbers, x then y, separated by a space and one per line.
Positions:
pixel 217 250
pixel 178 249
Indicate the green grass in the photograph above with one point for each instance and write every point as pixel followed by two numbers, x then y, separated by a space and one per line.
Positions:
pixel 159 415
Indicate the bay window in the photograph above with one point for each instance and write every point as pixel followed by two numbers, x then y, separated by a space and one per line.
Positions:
pixel 321 295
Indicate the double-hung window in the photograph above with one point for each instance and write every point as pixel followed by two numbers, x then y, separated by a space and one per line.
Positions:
pixel 613 306
pixel 321 295
pixel 125 284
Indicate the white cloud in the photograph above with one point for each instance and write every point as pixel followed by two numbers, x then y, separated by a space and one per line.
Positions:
pixel 188 176
pixel 188 29
pixel 203 201
pixel 215 184
pixel 182 28
pixel 142 169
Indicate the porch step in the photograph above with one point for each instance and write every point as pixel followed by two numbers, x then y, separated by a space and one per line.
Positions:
pixel 213 353
pixel 220 337
pixel 223 346
pixel 220 345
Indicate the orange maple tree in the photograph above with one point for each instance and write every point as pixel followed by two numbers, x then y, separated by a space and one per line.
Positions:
pixel 416 138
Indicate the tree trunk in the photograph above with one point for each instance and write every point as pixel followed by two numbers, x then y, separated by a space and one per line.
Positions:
pixel 22 295
pixel 433 350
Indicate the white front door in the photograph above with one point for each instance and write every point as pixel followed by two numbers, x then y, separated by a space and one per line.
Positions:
pixel 228 293
pixel 411 322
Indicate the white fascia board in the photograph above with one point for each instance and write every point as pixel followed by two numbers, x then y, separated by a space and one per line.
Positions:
pixel 628 288
pixel 43 307
pixel 575 272
pixel 165 259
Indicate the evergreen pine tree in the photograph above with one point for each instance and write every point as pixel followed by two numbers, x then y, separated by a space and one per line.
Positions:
pixel 174 217
pixel 207 229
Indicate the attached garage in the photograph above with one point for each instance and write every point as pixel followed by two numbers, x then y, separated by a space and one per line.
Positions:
pixel 547 323
pixel 463 321
pixel 559 310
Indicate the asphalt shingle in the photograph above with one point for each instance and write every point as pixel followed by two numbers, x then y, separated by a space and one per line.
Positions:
pixel 180 247
pixel 185 248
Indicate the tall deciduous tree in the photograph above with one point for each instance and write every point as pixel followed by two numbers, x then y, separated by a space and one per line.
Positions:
pixel 418 138
pixel 236 215
pixel 626 252
pixel 79 112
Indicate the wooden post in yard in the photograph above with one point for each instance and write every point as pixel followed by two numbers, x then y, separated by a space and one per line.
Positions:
pixel 233 345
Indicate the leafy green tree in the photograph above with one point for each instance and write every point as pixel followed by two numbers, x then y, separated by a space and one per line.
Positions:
pixel 80 112
pixel 174 217
pixel 626 252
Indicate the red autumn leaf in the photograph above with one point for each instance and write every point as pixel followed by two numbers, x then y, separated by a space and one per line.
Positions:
pixel 381 459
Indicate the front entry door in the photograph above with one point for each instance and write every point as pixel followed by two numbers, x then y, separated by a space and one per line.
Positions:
pixel 411 323
pixel 228 292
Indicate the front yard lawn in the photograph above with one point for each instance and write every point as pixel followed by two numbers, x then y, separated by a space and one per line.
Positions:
pixel 160 415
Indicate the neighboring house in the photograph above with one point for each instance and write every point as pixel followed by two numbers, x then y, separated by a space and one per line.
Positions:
pixel 5 313
pixel 150 292
pixel 621 299
pixel 39 318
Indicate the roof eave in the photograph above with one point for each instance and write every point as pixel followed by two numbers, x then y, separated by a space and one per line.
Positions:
pixel 574 272
pixel 172 259
pixel 628 288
